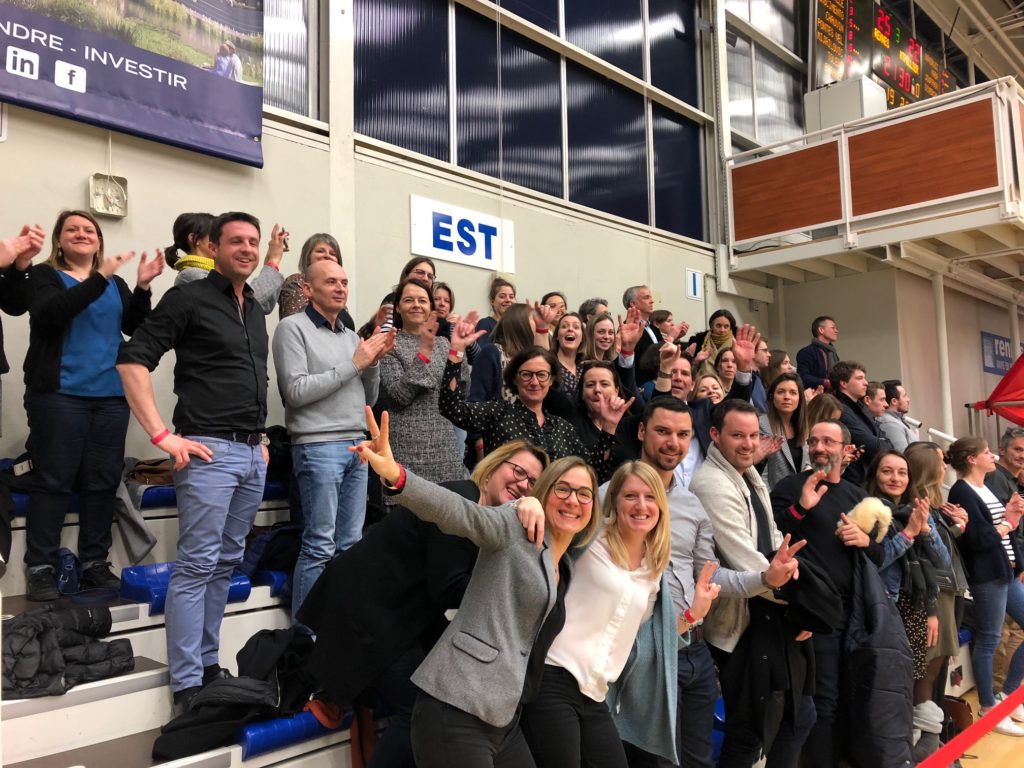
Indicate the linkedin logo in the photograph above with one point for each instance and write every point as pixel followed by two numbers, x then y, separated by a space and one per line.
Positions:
pixel 22 63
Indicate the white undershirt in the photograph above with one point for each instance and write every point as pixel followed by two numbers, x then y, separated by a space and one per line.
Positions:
pixel 603 613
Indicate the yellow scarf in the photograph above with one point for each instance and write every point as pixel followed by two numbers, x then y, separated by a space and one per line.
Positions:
pixel 194 260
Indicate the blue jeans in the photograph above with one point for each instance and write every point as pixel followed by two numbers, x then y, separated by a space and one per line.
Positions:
pixel 217 502
pixel 76 442
pixel 332 486
pixel 992 601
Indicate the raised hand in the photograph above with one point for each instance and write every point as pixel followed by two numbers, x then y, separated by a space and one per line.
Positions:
pixel 784 566
pixel 701 356
pixel 377 450
pixel 464 332
pixel 682 328
pixel 743 346
pixel 148 270
pixel 22 248
pixel 428 332
pixel 704 592
pixel 1014 510
pixel 531 517
pixel 370 351
pixel 957 514
pixel 770 444
pixel 277 246
pixel 630 331
pixel 850 534
pixel 611 409
pixel 811 494
pixel 810 394
pixel 113 263
pixel 543 315
pixel 667 356
pixel 692 350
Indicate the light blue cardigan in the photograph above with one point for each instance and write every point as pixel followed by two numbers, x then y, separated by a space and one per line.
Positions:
pixel 642 701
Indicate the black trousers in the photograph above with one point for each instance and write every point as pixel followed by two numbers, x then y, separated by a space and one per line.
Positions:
pixel 446 737
pixel 74 442
pixel 565 728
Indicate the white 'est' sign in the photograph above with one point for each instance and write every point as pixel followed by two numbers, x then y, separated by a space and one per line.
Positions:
pixel 447 232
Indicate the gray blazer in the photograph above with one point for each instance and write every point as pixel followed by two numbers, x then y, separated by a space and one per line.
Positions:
pixel 479 664
pixel 780 465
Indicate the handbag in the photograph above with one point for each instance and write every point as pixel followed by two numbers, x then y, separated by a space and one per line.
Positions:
pixel 959 717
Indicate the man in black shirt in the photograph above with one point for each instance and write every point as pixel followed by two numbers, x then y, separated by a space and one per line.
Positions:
pixel 812 505
pixel 219 336
pixel 850 385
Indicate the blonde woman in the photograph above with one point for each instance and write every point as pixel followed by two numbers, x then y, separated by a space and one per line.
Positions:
pixel 615 588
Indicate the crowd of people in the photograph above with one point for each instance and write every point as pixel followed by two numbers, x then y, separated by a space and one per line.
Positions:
pixel 628 520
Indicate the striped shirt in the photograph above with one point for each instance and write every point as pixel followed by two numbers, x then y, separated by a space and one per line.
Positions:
pixel 997 512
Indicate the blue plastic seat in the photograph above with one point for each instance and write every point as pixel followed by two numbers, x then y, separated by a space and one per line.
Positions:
pixel 268 735
pixel 148 584
pixel 276 580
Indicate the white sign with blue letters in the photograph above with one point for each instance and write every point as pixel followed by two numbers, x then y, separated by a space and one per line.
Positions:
pixel 447 232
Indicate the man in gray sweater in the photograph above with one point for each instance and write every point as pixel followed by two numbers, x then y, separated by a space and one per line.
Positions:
pixel 327 375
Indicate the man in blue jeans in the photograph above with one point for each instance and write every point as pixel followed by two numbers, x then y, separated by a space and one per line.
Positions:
pixel 219 335
pixel 327 376
pixel 665 434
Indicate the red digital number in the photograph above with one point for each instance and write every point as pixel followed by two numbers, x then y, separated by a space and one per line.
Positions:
pixel 887 66
pixel 884 23
pixel 914 48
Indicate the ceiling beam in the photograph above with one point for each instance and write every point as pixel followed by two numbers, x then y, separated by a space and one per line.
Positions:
pixel 786 272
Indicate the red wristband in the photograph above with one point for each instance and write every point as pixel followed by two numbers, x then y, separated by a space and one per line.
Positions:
pixel 400 484
pixel 688 617
pixel 155 440
pixel 273 266
pixel 907 536
pixel 794 513
pixel 424 358
pixel 541 330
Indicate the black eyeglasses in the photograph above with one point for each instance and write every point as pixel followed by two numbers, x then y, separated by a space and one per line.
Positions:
pixel 541 376
pixel 583 494
pixel 422 274
pixel 521 474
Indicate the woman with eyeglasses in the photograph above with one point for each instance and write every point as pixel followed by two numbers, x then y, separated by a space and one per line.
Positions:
pixel 489 663
pixel 319 247
pixel 411 375
pixel 409 574
pixel 994 562
pixel 531 375
pixel 616 585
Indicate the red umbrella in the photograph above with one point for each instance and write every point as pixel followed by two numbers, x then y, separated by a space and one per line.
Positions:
pixel 1007 399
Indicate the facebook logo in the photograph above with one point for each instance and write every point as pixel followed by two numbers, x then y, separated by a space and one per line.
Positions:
pixel 69 76
pixel 22 63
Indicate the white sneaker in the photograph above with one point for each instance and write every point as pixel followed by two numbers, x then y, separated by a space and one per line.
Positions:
pixel 1018 713
pixel 1006 726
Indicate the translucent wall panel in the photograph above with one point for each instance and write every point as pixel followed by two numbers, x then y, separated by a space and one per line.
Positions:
pixel 288 73
pixel 401 63
pixel 678 188
pixel 543 13
pixel 672 33
pixel 610 29
pixel 741 85
pixel 510 129
pixel 607 146
pixel 777 20
pixel 779 99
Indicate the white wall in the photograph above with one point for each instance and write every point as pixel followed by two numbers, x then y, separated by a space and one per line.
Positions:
pixel 47 163
pixel 864 308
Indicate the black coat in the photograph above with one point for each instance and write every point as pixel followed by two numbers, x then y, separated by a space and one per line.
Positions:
pixel 863 432
pixel 383 596
pixel 47 651
pixel 15 298
pixel 878 689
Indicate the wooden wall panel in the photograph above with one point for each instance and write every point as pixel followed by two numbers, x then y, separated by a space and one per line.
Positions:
pixel 793 191
pixel 933 156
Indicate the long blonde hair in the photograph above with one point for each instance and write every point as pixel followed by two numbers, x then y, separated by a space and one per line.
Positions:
pixel 658 539
pixel 546 483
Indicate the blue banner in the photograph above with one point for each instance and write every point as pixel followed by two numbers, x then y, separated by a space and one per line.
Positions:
pixel 997 353
pixel 183 72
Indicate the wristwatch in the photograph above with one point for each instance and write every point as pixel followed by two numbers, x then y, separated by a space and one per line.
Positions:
pixel 264 439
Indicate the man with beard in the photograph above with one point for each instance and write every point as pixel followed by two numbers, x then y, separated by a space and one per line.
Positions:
pixel 1006 480
pixel 812 506
pixel 665 434
pixel 763 661
pixel 814 361
pixel 850 386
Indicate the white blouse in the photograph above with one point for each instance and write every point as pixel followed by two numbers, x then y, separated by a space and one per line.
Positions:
pixel 604 609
